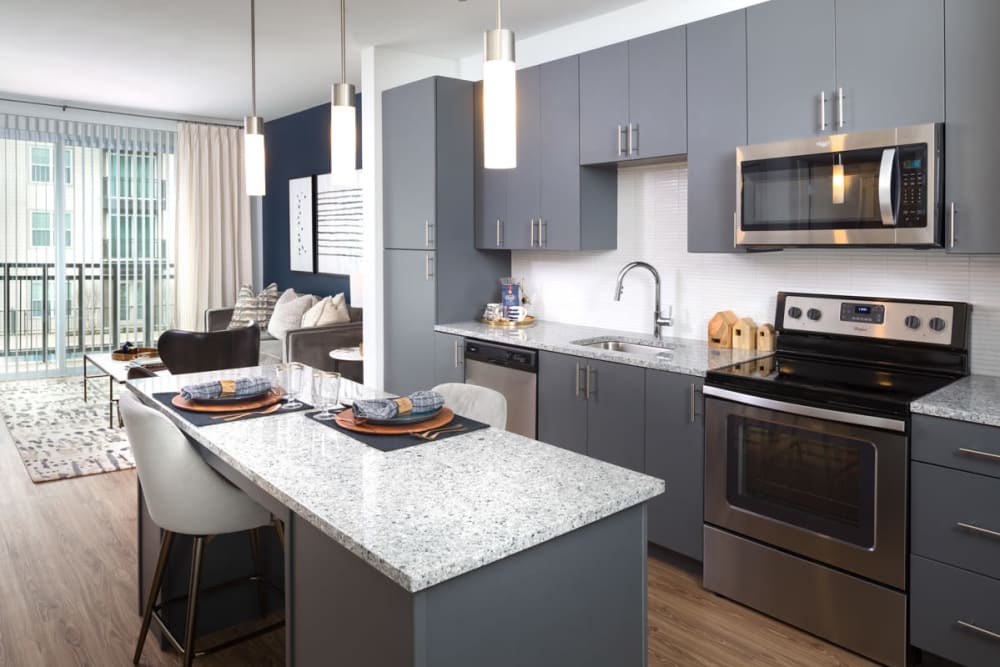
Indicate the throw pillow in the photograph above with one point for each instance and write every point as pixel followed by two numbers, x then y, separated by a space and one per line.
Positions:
pixel 252 307
pixel 331 310
pixel 288 313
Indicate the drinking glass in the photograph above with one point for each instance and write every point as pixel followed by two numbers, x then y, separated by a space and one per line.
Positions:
pixel 291 379
pixel 325 392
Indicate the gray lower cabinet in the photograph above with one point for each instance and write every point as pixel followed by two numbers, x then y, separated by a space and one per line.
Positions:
pixel 449 358
pixel 592 407
pixel 972 93
pixel 717 124
pixel 632 99
pixel 955 540
pixel 410 299
pixel 675 435
pixel 790 64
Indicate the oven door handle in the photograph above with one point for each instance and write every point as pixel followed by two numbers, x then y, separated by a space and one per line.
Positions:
pixel 886 171
pixel 807 410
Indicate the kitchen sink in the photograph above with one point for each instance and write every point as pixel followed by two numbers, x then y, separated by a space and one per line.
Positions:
pixel 663 351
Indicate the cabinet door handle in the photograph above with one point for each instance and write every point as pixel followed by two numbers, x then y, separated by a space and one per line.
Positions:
pixel 428 239
pixel 951 225
pixel 621 149
pixel 982 631
pixel 429 267
pixel 822 111
pixel 591 390
pixel 499 241
pixel 694 403
pixel 459 348
pixel 840 108
pixel 534 243
pixel 979 531
pixel 578 369
pixel 543 233
pixel 633 139
pixel 976 452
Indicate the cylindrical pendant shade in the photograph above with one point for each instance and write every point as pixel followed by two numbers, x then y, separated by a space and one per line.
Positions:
pixel 838 184
pixel 499 101
pixel 253 155
pixel 343 135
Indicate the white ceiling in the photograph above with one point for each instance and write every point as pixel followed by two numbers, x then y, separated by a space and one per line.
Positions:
pixel 193 58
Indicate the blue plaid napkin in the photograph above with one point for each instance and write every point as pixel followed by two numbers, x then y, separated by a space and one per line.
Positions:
pixel 209 390
pixel 387 408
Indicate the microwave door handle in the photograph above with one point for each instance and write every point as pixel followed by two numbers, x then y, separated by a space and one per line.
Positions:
pixel 885 173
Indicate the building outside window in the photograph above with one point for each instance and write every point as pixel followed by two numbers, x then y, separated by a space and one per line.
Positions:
pixel 41 164
pixel 41 228
pixel 68 165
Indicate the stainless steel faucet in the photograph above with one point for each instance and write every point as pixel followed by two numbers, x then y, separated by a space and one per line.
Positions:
pixel 658 321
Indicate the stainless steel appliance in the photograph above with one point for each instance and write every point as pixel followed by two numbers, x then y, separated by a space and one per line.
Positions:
pixel 513 371
pixel 878 188
pixel 807 458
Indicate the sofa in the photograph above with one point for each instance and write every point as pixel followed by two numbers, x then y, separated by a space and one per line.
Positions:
pixel 307 345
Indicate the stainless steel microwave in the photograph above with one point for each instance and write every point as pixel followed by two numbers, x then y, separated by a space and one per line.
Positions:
pixel 878 188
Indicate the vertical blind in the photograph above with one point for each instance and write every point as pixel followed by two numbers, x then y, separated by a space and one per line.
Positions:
pixel 86 240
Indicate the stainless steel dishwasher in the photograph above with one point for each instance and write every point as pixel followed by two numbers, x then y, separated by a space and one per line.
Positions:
pixel 513 371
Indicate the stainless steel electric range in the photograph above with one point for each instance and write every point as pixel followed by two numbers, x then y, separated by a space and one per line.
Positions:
pixel 807 459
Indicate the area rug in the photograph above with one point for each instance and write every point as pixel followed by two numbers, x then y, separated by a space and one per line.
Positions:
pixel 57 434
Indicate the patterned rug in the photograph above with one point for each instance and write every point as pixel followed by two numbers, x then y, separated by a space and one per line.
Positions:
pixel 58 435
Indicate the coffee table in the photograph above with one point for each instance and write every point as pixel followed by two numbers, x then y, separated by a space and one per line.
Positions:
pixel 116 372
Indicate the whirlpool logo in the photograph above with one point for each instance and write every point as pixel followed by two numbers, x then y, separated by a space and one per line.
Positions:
pixel 861 329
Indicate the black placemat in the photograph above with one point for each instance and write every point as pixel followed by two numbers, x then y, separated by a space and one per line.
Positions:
pixel 390 443
pixel 206 418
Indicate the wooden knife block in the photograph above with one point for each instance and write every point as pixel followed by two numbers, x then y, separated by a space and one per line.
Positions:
pixel 720 329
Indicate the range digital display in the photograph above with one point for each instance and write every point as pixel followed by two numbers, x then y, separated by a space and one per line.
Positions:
pixel 867 313
pixel 862 310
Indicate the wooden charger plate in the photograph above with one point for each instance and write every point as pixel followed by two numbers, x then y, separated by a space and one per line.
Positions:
pixel 346 419
pixel 263 402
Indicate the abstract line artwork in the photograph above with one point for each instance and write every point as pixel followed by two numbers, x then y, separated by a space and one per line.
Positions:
pixel 339 227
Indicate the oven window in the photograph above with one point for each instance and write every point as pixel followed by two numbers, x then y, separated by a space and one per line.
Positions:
pixel 817 481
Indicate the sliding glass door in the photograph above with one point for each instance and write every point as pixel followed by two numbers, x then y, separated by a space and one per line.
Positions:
pixel 85 241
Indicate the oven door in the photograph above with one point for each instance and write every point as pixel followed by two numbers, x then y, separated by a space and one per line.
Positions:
pixel 809 481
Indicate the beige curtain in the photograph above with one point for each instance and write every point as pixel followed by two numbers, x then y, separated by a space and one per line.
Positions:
pixel 214 255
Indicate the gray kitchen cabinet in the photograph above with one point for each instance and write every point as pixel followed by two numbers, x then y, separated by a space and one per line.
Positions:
pixel 562 407
pixel 717 124
pixel 410 300
pixel 633 99
pixel 890 63
pixel 972 94
pixel 790 63
pixel 548 201
pixel 410 140
pixel 675 434
pixel 491 190
pixel 449 358
pixel 453 281
pixel 592 407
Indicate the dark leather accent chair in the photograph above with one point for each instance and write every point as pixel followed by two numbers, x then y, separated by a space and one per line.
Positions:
pixel 199 351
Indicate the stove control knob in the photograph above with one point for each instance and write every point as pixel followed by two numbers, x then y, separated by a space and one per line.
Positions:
pixel 912 322
pixel 795 312
pixel 937 324
pixel 814 314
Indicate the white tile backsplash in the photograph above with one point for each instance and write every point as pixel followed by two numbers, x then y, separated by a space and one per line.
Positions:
pixel 578 287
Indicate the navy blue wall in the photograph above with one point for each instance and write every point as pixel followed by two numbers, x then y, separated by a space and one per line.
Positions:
pixel 296 145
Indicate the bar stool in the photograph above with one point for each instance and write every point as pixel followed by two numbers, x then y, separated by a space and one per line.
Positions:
pixel 480 403
pixel 184 496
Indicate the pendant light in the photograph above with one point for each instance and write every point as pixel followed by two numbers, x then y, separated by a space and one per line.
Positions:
pixel 343 120
pixel 838 181
pixel 499 99
pixel 253 126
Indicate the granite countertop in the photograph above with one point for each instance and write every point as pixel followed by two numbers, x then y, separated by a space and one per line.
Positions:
pixel 975 398
pixel 424 514
pixel 688 356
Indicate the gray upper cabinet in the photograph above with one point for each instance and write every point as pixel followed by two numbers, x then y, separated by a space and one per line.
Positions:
pixel 452 281
pixel 675 434
pixel 890 63
pixel 972 91
pixel 548 202
pixel 790 66
pixel 633 99
pixel 717 124
pixel 409 141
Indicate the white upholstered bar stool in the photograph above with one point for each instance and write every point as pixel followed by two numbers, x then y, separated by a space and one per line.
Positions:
pixel 184 495
pixel 480 403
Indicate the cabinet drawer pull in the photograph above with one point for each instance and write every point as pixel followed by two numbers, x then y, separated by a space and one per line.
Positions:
pixel 982 631
pixel 976 452
pixel 822 111
pixel 979 531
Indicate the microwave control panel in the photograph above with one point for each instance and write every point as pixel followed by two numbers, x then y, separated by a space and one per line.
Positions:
pixel 913 186
pixel 910 321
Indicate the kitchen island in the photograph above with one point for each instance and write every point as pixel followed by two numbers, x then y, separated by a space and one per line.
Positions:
pixel 486 548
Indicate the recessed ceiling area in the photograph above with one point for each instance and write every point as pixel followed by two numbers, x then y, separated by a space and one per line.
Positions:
pixel 193 58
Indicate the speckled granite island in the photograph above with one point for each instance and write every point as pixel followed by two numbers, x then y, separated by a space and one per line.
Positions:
pixel 483 549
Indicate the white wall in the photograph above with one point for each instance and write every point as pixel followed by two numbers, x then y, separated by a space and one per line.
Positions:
pixel 639 19
pixel 382 69
pixel 652 227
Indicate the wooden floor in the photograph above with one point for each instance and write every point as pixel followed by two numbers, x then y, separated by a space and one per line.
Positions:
pixel 68 596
